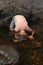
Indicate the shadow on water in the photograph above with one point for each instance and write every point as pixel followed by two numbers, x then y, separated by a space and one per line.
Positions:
pixel 30 51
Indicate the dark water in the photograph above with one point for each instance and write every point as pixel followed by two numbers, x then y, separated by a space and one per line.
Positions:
pixel 30 51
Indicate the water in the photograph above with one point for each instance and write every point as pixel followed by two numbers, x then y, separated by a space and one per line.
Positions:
pixel 8 54
pixel 30 51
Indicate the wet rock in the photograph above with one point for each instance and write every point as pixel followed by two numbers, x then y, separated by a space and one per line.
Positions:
pixel 11 7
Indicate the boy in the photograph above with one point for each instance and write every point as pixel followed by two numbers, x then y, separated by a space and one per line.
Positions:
pixel 21 26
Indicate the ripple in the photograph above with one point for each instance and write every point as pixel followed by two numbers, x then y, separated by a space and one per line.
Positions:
pixel 8 55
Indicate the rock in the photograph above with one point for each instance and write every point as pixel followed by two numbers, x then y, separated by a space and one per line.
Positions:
pixel 10 7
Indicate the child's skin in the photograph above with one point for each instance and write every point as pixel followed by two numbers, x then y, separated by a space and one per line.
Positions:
pixel 21 26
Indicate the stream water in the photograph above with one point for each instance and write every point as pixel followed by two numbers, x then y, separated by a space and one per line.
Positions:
pixel 29 52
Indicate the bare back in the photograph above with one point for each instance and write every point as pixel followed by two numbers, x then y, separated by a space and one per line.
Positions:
pixel 20 21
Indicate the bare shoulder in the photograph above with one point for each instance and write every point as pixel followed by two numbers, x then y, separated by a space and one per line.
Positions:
pixel 19 16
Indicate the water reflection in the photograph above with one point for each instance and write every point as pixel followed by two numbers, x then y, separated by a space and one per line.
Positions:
pixel 8 55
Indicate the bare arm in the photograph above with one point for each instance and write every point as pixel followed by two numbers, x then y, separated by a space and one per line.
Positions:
pixel 30 30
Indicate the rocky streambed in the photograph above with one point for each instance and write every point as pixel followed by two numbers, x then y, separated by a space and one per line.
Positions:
pixel 30 51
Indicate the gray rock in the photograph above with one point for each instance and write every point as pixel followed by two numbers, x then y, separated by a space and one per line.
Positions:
pixel 12 7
